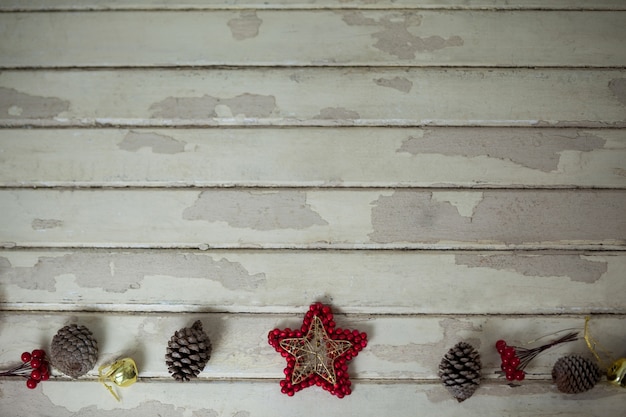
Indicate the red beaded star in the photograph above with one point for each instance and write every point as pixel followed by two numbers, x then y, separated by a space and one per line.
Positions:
pixel 318 353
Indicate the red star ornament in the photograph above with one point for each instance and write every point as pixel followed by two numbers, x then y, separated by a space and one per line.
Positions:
pixel 317 353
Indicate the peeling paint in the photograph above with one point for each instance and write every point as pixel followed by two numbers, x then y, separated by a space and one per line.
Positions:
pixel 133 141
pixel 147 408
pixel 16 104
pixel 532 148
pixel 246 105
pixel 43 224
pixel 204 413
pixel 439 395
pixel 255 210
pixel 465 202
pixel 427 353
pixel 245 26
pixel 337 113
pixel 618 88
pixel 399 83
pixel 574 267
pixel 395 38
pixel 619 171
pixel 120 272
pixel 508 217
pixel 241 414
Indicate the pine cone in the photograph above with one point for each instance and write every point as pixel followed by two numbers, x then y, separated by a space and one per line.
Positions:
pixel 575 374
pixel 459 371
pixel 188 351
pixel 74 350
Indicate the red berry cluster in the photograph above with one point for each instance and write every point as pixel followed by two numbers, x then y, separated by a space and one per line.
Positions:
pixel 511 363
pixel 342 385
pixel 34 368
pixel 515 359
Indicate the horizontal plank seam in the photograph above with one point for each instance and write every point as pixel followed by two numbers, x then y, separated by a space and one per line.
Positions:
pixel 278 66
pixel 115 123
pixel 293 127
pixel 245 188
pixel 297 313
pixel 599 247
pixel 370 7
pixel 524 251
pixel 68 186
pixel 538 379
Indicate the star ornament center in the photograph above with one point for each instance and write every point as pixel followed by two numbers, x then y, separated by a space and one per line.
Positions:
pixel 317 353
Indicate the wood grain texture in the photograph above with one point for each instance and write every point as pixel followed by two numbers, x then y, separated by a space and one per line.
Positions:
pixel 314 157
pixel 400 348
pixel 381 282
pixel 50 5
pixel 350 38
pixel 292 218
pixel 335 97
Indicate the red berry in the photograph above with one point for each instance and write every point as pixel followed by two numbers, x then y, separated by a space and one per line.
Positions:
pixel 26 357
pixel 44 365
pixel 519 375
pixel 38 353
pixel 36 375
pixel 514 361
pixel 510 377
pixel 31 383
pixel 509 352
pixel 505 361
pixel 500 344
pixel 45 376
pixel 35 363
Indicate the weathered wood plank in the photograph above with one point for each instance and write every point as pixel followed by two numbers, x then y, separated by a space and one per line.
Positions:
pixel 293 218
pixel 285 281
pixel 351 38
pixel 33 5
pixel 310 96
pixel 319 157
pixel 401 348
pixel 261 399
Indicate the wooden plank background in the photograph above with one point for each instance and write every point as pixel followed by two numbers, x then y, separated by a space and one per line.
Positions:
pixel 437 171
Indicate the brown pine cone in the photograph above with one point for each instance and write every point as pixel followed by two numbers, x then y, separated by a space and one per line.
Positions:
pixel 460 371
pixel 575 374
pixel 188 351
pixel 74 351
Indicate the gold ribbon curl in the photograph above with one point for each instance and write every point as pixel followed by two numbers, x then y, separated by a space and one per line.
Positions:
pixel 616 372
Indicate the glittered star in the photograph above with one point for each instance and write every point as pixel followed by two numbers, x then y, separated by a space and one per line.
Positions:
pixel 317 354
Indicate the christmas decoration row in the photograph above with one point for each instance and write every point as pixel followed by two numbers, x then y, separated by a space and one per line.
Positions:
pixel 460 368
pixel 317 354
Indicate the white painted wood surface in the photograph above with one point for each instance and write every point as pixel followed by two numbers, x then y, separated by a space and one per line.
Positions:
pixel 308 97
pixel 437 171
pixel 318 38
pixel 363 282
pixel 314 157
pixel 295 218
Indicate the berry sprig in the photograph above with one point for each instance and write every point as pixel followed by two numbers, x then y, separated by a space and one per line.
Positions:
pixel 34 368
pixel 515 359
